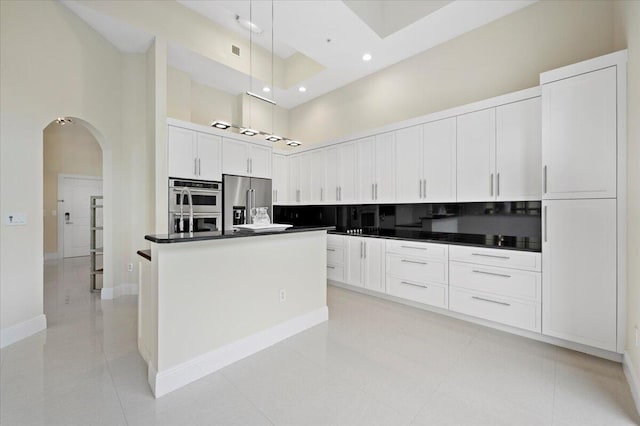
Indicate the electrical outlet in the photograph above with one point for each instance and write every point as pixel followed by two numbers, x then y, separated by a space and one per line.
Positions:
pixel 130 267
pixel 283 295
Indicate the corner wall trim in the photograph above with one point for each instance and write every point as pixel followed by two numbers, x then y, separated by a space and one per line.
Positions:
pixel 124 289
pixel 22 330
pixel 174 378
pixel 633 379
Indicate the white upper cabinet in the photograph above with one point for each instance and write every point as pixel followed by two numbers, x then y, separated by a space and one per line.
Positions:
pixel 331 172
pixel 579 128
pixel 246 159
pixel 294 179
pixel 426 162
pixel 194 155
pixel 280 179
pixel 318 187
pixel 304 185
pixel 376 168
pixel 518 151
pixel 347 191
pixel 409 165
pixel 476 155
pixel 579 276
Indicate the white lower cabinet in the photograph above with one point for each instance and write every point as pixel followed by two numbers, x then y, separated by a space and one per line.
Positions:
pixel 504 310
pixel 365 265
pixel 336 256
pixel 429 294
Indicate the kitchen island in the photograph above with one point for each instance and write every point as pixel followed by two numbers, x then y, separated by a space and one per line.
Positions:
pixel 210 299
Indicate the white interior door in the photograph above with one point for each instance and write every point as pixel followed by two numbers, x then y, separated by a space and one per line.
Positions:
pixel 76 214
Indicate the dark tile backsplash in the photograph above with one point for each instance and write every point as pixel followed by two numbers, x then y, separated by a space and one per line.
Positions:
pixel 514 218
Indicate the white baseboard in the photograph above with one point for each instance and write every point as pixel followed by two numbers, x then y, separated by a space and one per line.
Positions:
pixel 176 377
pixel 51 256
pixel 124 289
pixel 631 374
pixel 22 330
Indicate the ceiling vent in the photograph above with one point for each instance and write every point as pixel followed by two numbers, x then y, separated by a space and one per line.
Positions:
pixel 235 50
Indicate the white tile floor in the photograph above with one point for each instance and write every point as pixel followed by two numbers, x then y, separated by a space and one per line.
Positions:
pixel 374 363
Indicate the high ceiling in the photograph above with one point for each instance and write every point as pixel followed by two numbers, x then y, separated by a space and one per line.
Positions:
pixel 333 34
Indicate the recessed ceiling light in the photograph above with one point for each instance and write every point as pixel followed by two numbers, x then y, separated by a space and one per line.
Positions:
pixel 248 132
pixel 248 25
pixel 293 143
pixel 273 138
pixel 366 57
pixel 266 89
pixel 220 124
pixel 302 89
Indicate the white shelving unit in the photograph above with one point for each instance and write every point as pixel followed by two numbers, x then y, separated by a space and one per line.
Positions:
pixel 95 252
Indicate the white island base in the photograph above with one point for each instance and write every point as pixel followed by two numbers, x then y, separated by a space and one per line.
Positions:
pixel 206 304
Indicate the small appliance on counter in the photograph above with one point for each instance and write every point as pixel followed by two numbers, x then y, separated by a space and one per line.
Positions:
pixel 242 196
pixel 207 205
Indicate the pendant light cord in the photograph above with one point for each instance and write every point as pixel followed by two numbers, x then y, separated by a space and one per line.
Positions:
pixel 250 60
pixel 273 87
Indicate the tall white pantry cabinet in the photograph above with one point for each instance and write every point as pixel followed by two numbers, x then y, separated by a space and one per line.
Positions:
pixel 583 192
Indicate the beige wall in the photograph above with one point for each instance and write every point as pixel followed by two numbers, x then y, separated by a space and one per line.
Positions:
pixel 69 149
pixel 501 57
pixel 627 14
pixel 39 81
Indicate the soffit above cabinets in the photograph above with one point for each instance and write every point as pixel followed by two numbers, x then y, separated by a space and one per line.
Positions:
pixel 317 44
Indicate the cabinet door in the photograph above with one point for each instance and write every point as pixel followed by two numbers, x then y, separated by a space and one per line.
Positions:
pixel 518 151
pixel 476 155
pixel 385 172
pixel 347 173
pixel 235 157
pixel 408 159
pixel 355 257
pixel 280 178
pixel 374 264
pixel 305 178
pixel 366 169
pixel 294 179
pixel 579 280
pixel 579 127
pixel 209 157
pixel 331 174
pixel 318 192
pixel 182 153
pixel 260 161
pixel 439 160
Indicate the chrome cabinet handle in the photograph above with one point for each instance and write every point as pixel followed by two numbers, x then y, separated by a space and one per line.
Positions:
pixel 497 184
pixel 340 192
pixel 424 186
pixel 490 301
pixel 419 188
pixel 413 284
pixel 337 197
pixel 251 165
pixel 321 194
pixel 491 183
pixel 414 261
pixel 544 179
pixel 415 248
pixel 365 249
pixel 376 186
pixel 491 273
pixel 545 220
pixel 195 167
pixel 490 255
pixel 247 165
pixel 361 250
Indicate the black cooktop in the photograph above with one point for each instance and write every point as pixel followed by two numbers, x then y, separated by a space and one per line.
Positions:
pixel 477 240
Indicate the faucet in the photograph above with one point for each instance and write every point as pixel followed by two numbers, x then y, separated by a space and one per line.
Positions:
pixel 185 189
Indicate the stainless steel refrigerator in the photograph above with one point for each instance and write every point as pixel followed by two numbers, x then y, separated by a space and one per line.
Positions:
pixel 241 194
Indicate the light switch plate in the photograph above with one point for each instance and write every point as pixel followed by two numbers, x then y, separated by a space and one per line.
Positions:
pixel 15 219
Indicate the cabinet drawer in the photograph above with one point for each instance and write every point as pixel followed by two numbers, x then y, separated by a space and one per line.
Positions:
pixel 335 240
pixel 335 273
pixel 500 309
pixel 335 255
pixel 496 257
pixel 429 294
pixel 417 269
pixel 499 281
pixel 416 249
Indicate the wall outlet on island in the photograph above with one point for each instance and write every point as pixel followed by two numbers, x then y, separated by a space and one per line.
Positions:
pixel 130 267
pixel 283 295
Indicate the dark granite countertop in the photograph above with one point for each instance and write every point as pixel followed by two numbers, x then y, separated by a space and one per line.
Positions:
pixel 476 240
pixel 145 253
pixel 221 235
